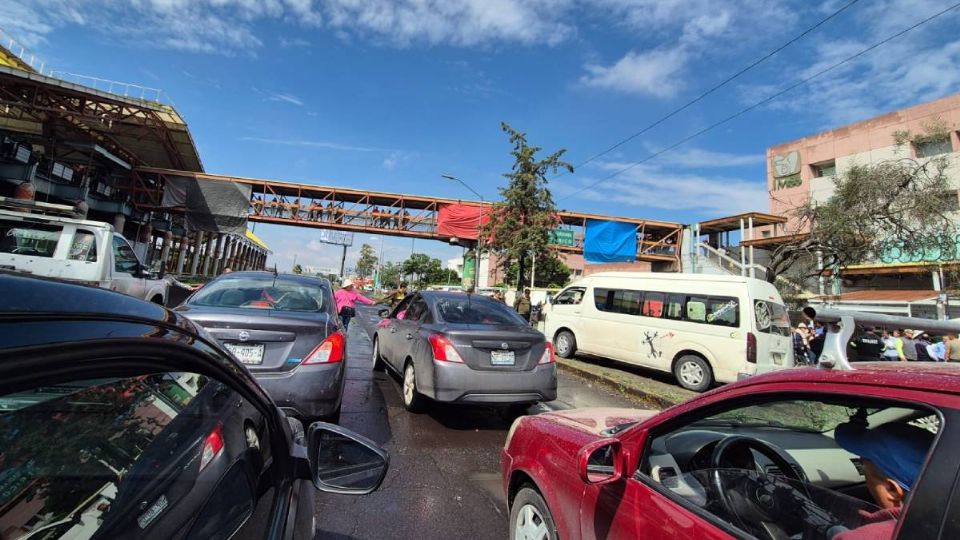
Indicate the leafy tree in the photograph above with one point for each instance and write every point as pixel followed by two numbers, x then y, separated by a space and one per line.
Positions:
pixel 297 269
pixel 390 274
pixel 520 224
pixel 551 272
pixel 899 206
pixel 367 261
pixel 418 265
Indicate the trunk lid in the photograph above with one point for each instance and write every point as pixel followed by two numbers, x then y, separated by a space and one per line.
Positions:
pixel 486 347
pixel 282 339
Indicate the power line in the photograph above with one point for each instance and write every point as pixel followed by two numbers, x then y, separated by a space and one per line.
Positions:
pixel 761 102
pixel 714 88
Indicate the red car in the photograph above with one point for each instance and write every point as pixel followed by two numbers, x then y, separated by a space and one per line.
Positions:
pixel 801 454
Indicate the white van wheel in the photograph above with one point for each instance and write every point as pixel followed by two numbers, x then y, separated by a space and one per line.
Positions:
pixel 565 344
pixel 693 373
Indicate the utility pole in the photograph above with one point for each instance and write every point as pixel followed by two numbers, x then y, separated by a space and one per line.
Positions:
pixel 476 269
pixel 343 262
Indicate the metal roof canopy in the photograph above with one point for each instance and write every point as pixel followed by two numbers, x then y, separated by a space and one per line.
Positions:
pixel 734 223
pixel 139 132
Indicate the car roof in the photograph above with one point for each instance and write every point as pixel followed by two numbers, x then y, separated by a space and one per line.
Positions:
pixel 441 295
pixel 22 293
pixel 943 377
pixel 299 278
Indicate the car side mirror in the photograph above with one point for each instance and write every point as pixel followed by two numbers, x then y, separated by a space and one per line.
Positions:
pixel 599 462
pixel 384 313
pixel 344 462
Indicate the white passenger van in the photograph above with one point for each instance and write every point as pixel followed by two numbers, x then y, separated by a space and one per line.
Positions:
pixel 702 328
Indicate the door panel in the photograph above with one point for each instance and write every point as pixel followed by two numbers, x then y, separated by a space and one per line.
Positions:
pixel 126 266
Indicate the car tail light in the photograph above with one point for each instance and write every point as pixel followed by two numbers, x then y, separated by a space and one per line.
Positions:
pixel 443 350
pixel 547 357
pixel 329 351
pixel 751 348
pixel 212 446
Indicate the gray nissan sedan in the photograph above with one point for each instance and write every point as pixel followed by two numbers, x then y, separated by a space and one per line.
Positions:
pixel 464 348
pixel 285 330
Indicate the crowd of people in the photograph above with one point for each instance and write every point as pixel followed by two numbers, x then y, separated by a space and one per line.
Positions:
pixel 872 344
pixel 382 218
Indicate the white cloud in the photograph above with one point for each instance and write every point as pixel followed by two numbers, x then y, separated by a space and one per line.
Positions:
pixel 649 186
pixel 288 43
pixel 695 158
pixel 319 144
pixel 653 73
pixel 286 98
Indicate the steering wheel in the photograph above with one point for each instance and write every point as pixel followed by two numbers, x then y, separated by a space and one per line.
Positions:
pixel 771 506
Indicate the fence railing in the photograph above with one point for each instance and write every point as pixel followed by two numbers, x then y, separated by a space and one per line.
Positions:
pixel 728 263
pixel 22 53
pixel 128 90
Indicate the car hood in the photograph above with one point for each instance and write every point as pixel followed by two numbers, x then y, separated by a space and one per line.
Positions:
pixel 598 420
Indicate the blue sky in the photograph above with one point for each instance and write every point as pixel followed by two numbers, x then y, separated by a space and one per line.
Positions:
pixel 388 95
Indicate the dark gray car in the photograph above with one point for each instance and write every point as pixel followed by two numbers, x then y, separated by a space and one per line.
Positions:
pixel 464 348
pixel 285 330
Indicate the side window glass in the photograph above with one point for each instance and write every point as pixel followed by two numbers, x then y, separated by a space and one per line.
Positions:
pixel 601 299
pixel 125 259
pixel 674 307
pixel 696 309
pixel 84 247
pixel 723 311
pixel 737 467
pixel 118 457
pixel 627 302
pixel 416 310
pixel 569 297
pixel 653 303
pixel 400 312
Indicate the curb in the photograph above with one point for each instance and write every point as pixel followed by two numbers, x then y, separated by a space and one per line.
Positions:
pixel 653 399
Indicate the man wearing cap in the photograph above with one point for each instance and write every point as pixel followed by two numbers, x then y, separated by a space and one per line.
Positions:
pixel 892 455
pixel 347 299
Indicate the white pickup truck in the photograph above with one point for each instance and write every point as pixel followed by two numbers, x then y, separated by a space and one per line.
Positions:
pixel 76 250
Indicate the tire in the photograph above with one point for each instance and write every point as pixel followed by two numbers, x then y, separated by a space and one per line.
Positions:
pixel 693 373
pixel 378 364
pixel 413 400
pixel 565 344
pixel 530 519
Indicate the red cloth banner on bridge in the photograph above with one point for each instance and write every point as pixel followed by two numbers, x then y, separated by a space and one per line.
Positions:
pixel 461 220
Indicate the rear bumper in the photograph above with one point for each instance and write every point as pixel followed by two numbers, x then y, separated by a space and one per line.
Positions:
pixel 457 383
pixel 307 391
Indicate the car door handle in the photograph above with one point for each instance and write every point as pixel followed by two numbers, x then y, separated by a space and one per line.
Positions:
pixel 393 329
pixel 409 335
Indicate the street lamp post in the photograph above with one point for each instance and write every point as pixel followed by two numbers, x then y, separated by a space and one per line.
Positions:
pixel 476 270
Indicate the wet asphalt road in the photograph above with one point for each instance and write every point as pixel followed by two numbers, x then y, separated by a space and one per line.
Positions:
pixel 444 479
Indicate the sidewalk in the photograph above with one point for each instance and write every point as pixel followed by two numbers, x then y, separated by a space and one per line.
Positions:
pixel 654 388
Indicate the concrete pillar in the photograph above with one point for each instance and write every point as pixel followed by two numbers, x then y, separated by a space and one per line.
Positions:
pixel 208 253
pixel 224 257
pixel 197 248
pixel 215 256
pixel 231 259
pixel 165 251
pixel 182 252
pixel 241 261
pixel 119 221
pixel 260 260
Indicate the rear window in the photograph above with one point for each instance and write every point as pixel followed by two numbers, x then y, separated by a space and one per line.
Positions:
pixel 475 310
pixel 772 318
pixel 263 293
pixel 33 239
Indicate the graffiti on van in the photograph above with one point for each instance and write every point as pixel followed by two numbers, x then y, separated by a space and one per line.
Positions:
pixel 649 339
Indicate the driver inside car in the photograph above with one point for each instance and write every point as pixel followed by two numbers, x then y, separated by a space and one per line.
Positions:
pixel 893 456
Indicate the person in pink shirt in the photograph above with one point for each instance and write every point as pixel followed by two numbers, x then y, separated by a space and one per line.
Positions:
pixel 347 298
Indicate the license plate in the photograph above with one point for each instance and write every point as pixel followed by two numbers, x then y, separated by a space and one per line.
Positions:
pixel 246 354
pixel 502 358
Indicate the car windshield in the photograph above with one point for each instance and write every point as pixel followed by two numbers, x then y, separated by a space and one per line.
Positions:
pixel 813 416
pixel 263 293
pixel 474 310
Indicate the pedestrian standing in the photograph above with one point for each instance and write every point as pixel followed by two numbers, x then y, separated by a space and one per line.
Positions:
pixel 522 304
pixel 890 352
pixel 953 348
pixel 922 344
pixel 817 338
pixel 909 346
pixel 868 346
pixel 347 299
pixel 938 350
pixel 801 345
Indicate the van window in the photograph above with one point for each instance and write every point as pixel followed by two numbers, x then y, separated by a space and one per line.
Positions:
pixel 571 296
pixel 674 307
pixel 84 247
pixel 718 310
pixel 33 239
pixel 771 318
pixel 653 304
pixel 618 301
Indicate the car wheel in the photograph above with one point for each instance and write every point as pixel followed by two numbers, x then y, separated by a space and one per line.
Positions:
pixel 565 344
pixel 378 364
pixel 413 400
pixel 693 373
pixel 530 519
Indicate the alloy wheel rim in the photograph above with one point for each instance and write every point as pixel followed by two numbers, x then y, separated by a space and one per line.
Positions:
pixel 530 524
pixel 408 385
pixel 376 349
pixel 691 373
pixel 563 344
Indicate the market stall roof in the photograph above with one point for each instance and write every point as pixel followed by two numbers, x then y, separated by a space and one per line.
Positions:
pixel 733 223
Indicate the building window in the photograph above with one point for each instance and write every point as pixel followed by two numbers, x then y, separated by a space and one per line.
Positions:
pixel 933 148
pixel 827 168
